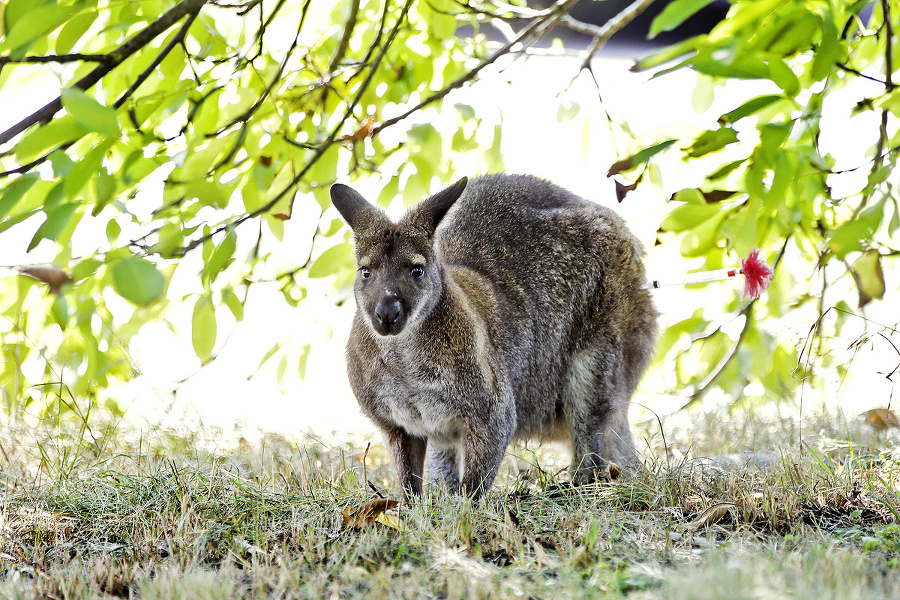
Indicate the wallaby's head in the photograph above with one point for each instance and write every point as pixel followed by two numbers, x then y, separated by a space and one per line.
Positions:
pixel 398 279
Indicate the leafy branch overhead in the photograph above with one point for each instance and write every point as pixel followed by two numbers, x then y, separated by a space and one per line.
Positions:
pixel 156 153
pixel 204 127
pixel 801 162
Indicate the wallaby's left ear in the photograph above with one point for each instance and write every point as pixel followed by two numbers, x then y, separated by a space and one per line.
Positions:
pixel 430 211
pixel 356 210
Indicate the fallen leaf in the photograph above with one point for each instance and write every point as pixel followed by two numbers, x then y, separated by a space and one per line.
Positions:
pixel 881 419
pixel 711 515
pixel 368 513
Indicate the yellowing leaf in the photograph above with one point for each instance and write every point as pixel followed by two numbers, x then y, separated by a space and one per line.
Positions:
pixel 869 277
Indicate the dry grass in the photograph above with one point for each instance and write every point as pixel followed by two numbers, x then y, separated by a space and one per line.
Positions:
pixel 167 517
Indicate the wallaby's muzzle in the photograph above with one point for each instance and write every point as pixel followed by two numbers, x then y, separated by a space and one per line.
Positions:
pixel 389 317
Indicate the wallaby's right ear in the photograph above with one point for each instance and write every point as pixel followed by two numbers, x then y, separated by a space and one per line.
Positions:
pixel 356 210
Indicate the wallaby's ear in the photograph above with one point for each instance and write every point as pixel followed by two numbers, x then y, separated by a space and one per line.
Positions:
pixel 430 211
pixel 356 210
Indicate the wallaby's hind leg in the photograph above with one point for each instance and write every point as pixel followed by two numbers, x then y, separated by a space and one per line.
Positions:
pixel 596 408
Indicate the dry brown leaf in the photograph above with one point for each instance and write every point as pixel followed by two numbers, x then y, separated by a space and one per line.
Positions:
pixel 52 276
pixel 368 513
pixel 365 130
pixel 711 515
pixel 881 419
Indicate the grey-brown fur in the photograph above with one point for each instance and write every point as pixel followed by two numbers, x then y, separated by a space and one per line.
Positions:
pixel 501 308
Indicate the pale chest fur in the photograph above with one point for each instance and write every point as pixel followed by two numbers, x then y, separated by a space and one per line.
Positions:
pixel 418 398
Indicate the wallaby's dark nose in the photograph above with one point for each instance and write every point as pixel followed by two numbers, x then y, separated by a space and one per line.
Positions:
pixel 388 312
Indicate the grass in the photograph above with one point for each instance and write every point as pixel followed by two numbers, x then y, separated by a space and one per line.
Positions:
pixel 168 517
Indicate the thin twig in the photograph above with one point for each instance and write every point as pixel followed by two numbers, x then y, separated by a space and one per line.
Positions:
pixel 626 16
pixel 544 23
pixel 889 87
pixel 719 369
pixel 347 35
pixel 130 47
pixel 329 142
pixel 178 39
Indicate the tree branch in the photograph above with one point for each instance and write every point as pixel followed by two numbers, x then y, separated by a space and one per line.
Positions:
pixel 320 151
pixel 344 43
pixel 888 87
pixel 57 58
pixel 178 39
pixel 130 47
pixel 602 35
pixel 543 23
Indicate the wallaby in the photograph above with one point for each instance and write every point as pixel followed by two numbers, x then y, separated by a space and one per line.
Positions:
pixel 501 308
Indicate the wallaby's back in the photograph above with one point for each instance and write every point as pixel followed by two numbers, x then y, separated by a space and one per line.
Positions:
pixel 568 278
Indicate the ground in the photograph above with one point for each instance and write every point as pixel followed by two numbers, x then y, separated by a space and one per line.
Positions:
pixel 128 514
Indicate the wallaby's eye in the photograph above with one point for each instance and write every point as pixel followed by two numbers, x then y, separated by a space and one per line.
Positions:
pixel 365 272
pixel 417 272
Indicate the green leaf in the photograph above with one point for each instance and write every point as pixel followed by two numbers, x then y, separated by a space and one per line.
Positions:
pixel 566 111
pixel 137 280
pixel 89 113
pixel 797 35
pixel 726 169
pixel 72 31
pixel 87 168
pixel 389 192
pixel 674 52
pixel 170 238
pixel 689 216
pixel 34 24
pixel 697 241
pixel 711 141
pixel 42 138
pixel 14 192
pixel 60 311
pixel 748 108
pixel 333 261
pixel 221 256
pixel 16 9
pixel 856 234
pixel 302 360
pixel 6 224
pixel 829 52
pixel 638 158
pixel 56 221
pixel 749 67
pixel 674 14
pixel 233 303
pixel 203 328
pixel 106 187
pixel 784 77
